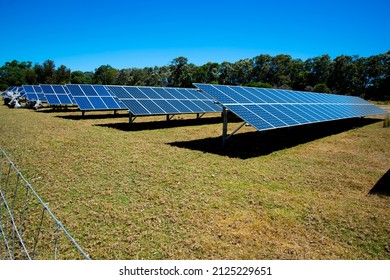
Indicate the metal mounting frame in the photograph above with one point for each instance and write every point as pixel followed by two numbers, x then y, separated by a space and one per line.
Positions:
pixel 131 118
pixel 225 135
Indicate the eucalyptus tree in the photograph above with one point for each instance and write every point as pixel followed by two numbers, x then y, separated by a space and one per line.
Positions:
pixel 180 72
pixel 105 75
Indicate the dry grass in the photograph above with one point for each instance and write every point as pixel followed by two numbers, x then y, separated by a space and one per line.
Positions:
pixel 171 192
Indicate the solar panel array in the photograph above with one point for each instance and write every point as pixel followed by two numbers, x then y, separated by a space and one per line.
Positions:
pixel 33 93
pixel 143 101
pixel 94 97
pixel 57 94
pixel 9 89
pixel 272 108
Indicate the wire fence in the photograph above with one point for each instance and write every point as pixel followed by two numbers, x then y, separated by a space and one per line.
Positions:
pixel 28 229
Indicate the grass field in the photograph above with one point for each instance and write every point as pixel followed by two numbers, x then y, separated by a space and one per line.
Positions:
pixel 170 191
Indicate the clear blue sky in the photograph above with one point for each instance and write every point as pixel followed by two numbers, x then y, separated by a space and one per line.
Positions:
pixel 84 35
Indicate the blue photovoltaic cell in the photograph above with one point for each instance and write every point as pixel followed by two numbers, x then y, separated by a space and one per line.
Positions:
pixel 180 106
pixel 101 91
pixel 13 90
pixel 167 107
pixel 163 101
pixel 83 103
pixel 119 92
pixel 75 90
pixel 136 108
pixel 65 99
pixel 151 94
pixel 56 94
pixel 176 94
pixel 163 93
pixel 152 107
pixel 134 93
pixel 53 99
pixel 97 103
pixel 59 89
pixel 33 93
pixel 94 97
pixel 274 108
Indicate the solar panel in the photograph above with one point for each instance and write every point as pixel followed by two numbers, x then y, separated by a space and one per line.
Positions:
pixel 12 90
pixel 9 89
pixel 33 93
pixel 163 101
pixel 57 95
pixel 21 91
pixel 274 108
pixel 94 97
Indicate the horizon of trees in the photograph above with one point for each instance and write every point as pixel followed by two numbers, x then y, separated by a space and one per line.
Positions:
pixel 368 77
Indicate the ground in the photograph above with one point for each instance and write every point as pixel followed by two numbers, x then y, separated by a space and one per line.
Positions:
pixel 160 190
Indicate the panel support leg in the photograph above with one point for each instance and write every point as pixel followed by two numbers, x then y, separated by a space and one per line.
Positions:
pixel 386 121
pixel 225 125
pixel 130 118
pixel 198 116
pixel 225 135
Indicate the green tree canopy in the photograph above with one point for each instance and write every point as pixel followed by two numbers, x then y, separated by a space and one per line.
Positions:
pixel 362 76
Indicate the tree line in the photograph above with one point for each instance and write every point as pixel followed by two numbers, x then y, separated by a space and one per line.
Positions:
pixel 368 77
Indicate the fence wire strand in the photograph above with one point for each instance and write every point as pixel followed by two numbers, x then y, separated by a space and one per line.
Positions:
pixel 28 229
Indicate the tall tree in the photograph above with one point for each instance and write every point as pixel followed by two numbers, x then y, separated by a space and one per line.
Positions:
pixel 226 73
pixel 105 75
pixel 341 79
pixel 207 73
pixel 49 72
pixel 279 71
pixel 63 75
pixel 180 73
pixel 80 77
pixel 262 68
pixel 319 69
pixel 13 73
pixel 243 70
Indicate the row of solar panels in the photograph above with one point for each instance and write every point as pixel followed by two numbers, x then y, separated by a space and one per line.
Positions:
pixel 273 108
pixel 261 108
pixel 138 100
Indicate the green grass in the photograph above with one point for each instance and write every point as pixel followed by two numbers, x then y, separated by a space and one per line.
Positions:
pixel 138 194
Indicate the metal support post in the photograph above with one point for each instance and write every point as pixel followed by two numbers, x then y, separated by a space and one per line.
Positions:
pixel 225 135
pixel 386 121
pixel 225 125
pixel 130 118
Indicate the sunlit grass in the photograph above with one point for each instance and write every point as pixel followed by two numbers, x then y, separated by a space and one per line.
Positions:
pixel 135 194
